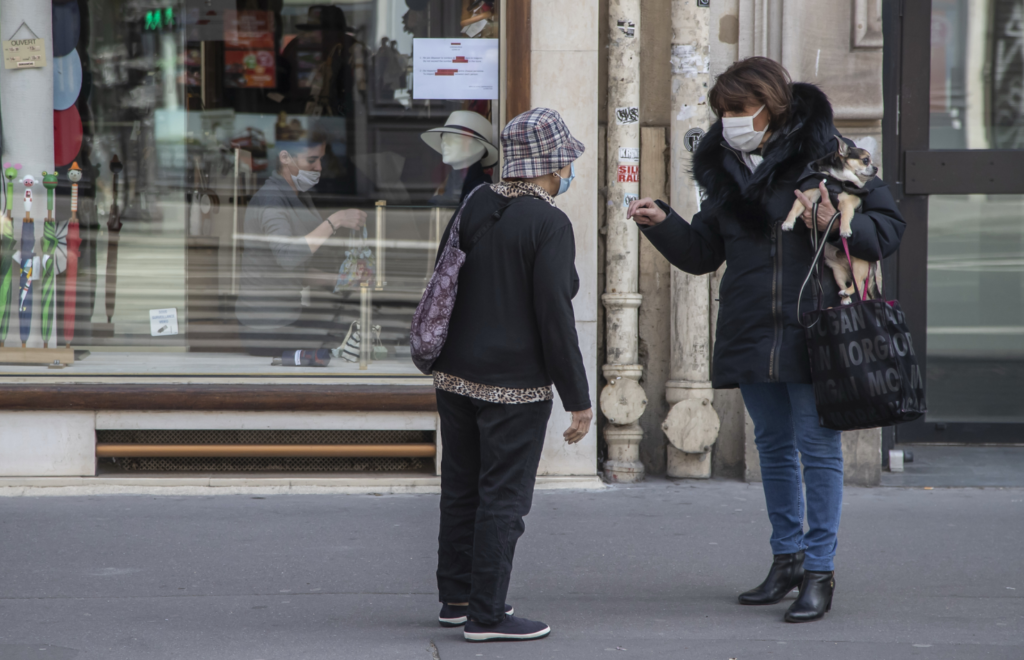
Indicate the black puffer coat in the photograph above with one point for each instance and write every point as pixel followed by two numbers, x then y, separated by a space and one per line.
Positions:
pixel 759 339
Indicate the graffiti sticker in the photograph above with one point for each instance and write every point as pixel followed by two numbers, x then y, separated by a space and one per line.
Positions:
pixel 692 139
pixel 629 155
pixel 624 116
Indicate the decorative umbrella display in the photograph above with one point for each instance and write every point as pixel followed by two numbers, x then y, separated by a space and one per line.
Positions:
pixel 113 237
pixel 49 247
pixel 7 249
pixel 26 258
pixel 74 245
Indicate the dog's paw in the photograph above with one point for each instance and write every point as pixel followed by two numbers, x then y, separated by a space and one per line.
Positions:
pixel 846 234
pixel 847 300
pixel 788 225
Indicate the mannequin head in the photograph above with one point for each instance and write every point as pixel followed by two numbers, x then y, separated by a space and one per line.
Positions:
pixel 461 151
pixel 462 141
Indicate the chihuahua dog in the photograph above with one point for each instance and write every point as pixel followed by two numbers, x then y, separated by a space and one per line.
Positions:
pixel 845 171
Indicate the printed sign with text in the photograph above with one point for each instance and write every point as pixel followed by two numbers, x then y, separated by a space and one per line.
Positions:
pixel 464 70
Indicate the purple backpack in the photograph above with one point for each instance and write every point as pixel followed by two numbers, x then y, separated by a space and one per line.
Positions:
pixel 430 322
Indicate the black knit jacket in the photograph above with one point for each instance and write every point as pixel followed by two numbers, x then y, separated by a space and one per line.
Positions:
pixel 513 323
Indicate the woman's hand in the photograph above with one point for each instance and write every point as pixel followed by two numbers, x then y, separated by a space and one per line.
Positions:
pixel 350 218
pixel 580 426
pixel 825 209
pixel 645 212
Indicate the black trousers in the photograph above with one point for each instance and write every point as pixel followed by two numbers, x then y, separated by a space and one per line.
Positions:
pixel 488 470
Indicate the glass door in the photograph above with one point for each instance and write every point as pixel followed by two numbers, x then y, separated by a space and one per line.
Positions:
pixel 960 131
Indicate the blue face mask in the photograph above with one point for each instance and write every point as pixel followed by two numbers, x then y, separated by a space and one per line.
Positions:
pixel 564 184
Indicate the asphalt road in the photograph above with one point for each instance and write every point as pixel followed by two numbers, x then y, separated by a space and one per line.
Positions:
pixel 643 572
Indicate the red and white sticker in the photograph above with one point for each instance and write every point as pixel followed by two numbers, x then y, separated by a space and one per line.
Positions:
pixel 629 174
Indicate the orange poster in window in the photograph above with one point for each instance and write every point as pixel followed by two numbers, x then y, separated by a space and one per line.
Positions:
pixel 249 68
pixel 249 30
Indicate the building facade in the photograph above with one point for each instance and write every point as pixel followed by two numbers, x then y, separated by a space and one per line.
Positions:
pixel 162 121
pixel 167 118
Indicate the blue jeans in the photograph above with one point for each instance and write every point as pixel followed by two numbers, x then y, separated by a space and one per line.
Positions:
pixel 785 422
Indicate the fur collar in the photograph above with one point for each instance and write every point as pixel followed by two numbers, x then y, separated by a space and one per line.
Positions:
pixel 729 185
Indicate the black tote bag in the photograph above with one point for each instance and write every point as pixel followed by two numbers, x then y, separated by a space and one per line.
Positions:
pixel 863 364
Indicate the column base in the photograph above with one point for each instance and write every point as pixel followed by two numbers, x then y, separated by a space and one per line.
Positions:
pixel 688 466
pixel 623 465
pixel 624 472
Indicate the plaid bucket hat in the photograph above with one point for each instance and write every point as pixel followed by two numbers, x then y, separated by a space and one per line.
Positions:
pixel 536 143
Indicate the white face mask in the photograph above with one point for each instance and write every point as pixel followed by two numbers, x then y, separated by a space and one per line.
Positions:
pixel 740 134
pixel 306 179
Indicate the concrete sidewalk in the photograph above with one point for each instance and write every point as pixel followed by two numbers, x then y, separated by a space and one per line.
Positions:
pixel 631 572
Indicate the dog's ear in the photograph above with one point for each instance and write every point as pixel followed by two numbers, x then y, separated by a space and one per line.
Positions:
pixel 844 149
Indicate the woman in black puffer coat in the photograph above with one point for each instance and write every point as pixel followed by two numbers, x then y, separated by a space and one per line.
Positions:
pixel 748 165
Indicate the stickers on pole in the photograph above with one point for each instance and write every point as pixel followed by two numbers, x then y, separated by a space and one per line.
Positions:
pixel 67 26
pixel 627 28
pixel 67 80
pixel 25 54
pixel 628 174
pixel 692 139
pixel 629 155
pixel 625 116
pixel 67 136
pixel 628 199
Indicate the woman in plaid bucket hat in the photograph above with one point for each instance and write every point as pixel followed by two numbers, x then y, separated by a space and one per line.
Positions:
pixel 511 335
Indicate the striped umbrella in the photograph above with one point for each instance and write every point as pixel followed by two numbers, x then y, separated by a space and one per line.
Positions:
pixel 27 260
pixel 74 246
pixel 113 238
pixel 8 247
pixel 27 254
pixel 49 247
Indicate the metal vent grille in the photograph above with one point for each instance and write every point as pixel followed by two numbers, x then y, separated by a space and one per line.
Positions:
pixel 260 464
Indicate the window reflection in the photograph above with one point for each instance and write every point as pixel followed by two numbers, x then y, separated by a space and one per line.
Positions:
pixel 977 74
pixel 975 307
pixel 200 106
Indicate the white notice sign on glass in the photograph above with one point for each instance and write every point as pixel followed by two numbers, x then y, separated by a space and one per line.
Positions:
pixel 163 322
pixel 455 69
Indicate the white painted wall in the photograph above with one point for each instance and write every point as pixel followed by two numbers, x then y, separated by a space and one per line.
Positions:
pixel 47 444
pixel 564 77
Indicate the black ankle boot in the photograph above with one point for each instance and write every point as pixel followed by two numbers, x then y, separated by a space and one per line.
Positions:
pixel 815 597
pixel 786 574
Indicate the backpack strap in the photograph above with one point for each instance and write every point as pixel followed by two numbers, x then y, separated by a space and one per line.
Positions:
pixel 493 220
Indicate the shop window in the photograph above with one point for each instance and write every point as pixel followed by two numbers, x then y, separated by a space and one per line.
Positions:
pixel 193 133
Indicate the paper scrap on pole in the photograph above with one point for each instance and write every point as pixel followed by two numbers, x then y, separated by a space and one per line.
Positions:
pixel 460 70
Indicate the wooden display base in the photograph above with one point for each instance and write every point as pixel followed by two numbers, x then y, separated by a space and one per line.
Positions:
pixel 102 330
pixel 44 357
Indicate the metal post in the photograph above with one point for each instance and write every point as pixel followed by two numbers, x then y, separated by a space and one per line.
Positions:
pixel 622 400
pixel 433 240
pixel 381 230
pixel 365 331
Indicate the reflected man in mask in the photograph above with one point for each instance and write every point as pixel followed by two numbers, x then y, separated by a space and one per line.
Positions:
pixel 282 233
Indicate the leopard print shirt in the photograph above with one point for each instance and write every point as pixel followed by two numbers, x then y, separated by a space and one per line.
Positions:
pixel 491 393
pixel 521 189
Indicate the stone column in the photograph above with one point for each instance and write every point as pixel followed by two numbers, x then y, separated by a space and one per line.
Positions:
pixel 692 424
pixel 622 399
